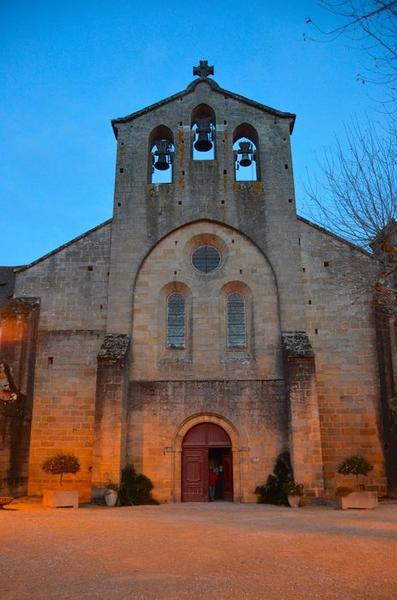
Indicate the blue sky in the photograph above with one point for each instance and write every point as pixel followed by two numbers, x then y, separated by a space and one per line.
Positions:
pixel 67 68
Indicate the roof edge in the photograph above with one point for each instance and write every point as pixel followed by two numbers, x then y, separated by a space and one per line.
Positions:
pixel 335 236
pixel 215 87
pixel 62 247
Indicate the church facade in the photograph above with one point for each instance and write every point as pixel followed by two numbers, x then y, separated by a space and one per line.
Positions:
pixel 204 324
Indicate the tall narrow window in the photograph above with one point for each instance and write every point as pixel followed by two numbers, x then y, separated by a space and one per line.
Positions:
pixel 246 153
pixel 236 321
pixel 203 127
pixel 176 321
pixel 161 155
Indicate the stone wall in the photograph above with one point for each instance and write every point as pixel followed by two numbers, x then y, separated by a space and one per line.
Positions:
pixel 168 269
pixel 7 281
pixel 18 328
pixel 72 286
pixel 341 327
pixel 255 410
pixel 264 211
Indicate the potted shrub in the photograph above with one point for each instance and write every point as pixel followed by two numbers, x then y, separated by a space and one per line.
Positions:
pixel 348 498
pixel 59 465
pixel 294 493
pixel 111 494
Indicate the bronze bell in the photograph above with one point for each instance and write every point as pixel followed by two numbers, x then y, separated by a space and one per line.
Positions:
pixel 163 155
pixel 204 134
pixel 246 152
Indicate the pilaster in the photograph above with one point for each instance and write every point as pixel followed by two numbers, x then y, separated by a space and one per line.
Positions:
pixel 111 409
pixel 304 422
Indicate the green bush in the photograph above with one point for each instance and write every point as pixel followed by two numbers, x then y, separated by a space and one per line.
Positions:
pixel 272 491
pixel 135 488
pixel 355 465
pixel 60 464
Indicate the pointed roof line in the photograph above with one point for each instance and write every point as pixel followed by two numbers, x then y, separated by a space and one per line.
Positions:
pixel 62 247
pixel 215 87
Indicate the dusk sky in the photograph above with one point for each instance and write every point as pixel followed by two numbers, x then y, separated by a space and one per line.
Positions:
pixel 67 68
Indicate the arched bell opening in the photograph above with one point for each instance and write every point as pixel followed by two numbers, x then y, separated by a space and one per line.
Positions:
pixel 203 125
pixel 246 153
pixel 161 155
pixel 207 464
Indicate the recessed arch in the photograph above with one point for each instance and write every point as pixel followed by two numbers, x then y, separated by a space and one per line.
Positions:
pixel 161 155
pixel 171 258
pixel 239 444
pixel 246 153
pixel 203 126
pixel 204 221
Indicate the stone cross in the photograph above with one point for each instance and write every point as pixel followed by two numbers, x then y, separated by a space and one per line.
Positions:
pixel 203 70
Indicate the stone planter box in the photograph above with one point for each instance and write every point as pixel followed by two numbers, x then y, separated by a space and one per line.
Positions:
pixel 364 500
pixel 61 498
pixel 4 500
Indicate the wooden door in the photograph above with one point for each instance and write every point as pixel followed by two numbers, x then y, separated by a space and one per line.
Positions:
pixel 195 475
pixel 227 460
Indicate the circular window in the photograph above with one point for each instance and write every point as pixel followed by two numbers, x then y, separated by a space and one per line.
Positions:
pixel 206 259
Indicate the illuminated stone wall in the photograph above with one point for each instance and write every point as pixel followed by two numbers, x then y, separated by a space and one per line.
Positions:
pixel 72 287
pixel 340 324
pixel 111 285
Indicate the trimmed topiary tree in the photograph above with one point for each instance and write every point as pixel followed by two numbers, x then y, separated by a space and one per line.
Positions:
pixel 60 464
pixel 355 465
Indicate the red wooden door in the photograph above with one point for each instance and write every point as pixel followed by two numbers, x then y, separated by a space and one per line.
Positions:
pixel 195 475
pixel 227 460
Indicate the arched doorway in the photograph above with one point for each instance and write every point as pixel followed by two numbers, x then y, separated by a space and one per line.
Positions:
pixel 206 446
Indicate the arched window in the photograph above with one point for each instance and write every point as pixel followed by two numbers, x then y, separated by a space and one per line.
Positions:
pixel 236 321
pixel 176 321
pixel 203 126
pixel 246 153
pixel 161 155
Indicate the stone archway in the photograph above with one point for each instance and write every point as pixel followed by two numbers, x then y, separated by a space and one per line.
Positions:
pixel 232 433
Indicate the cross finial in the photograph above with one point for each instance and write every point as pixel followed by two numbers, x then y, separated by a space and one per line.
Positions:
pixel 203 70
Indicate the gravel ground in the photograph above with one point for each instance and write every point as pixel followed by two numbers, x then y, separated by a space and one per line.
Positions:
pixel 197 551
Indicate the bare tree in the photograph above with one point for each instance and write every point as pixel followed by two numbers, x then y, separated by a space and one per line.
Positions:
pixel 355 196
pixel 370 25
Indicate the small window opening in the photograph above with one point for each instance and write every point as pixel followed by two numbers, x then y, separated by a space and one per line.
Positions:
pixel 90 268
pixel 326 263
pixel 161 155
pixel 203 126
pixel 206 259
pixel 176 321
pixel 236 321
pixel 245 150
pixel 50 360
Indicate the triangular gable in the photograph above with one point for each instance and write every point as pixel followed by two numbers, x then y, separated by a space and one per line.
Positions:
pixel 216 88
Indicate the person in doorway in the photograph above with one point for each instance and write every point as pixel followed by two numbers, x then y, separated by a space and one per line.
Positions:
pixel 213 476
